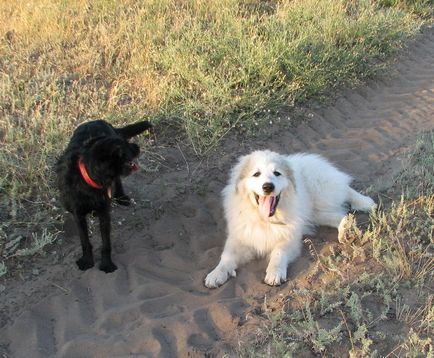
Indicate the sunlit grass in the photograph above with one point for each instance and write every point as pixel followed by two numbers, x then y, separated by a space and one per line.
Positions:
pixel 203 66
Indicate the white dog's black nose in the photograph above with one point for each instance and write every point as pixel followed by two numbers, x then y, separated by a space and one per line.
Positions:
pixel 267 187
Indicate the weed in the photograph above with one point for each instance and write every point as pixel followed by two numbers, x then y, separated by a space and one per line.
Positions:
pixel 38 242
pixel 3 269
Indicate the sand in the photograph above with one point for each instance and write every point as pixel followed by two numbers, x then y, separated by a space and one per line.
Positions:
pixel 155 304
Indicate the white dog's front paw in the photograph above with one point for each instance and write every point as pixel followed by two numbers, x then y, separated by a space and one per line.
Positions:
pixel 218 277
pixel 275 277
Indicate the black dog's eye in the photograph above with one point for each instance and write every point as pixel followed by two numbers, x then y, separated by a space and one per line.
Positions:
pixel 257 174
pixel 277 174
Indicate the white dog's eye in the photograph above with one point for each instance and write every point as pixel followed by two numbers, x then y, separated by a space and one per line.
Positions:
pixel 257 174
pixel 276 173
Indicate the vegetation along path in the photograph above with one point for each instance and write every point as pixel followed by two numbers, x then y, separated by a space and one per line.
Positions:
pixel 155 304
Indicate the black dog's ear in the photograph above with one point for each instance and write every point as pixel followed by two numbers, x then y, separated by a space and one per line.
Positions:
pixel 123 150
pixel 117 150
pixel 135 149
pixel 91 141
pixel 107 148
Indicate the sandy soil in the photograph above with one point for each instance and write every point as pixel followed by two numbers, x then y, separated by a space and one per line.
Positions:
pixel 155 304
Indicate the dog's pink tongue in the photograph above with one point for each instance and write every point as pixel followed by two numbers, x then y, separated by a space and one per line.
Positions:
pixel 134 166
pixel 266 206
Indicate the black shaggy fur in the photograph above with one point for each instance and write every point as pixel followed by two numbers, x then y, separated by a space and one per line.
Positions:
pixel 107 155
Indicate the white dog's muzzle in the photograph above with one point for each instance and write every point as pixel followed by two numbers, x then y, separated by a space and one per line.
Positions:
pixel 267 205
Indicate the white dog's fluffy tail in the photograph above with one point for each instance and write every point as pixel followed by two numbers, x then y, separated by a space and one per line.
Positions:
pixel 360 202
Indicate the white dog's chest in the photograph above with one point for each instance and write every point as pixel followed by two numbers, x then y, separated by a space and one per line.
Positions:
pixel 262 236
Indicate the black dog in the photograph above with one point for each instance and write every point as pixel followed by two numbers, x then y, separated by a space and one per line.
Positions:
pixel 88 176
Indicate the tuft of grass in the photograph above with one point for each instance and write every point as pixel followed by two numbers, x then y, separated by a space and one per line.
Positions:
pixel 422 8
pixel 379 295
pixel 3 269
pixel 38 242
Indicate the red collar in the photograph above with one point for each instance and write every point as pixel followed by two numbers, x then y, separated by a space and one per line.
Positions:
pixel 86 176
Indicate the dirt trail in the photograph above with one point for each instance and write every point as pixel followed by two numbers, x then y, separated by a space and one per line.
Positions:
pixel 155 304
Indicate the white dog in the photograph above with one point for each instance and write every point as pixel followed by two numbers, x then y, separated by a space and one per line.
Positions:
pixel 271 200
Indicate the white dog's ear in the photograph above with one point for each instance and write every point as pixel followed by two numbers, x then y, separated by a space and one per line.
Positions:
pixel 289 173
pixel 239 172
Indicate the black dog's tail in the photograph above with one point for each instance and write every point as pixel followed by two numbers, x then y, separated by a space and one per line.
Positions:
pixel 133 129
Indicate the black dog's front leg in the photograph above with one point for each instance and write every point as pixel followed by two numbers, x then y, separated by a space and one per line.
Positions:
pixel 86 261
pixel 119 195
pixel 107 264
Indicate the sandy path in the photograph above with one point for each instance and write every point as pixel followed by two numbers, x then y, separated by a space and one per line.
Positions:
pixel 155 304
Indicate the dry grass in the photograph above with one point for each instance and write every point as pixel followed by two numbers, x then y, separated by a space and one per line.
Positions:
pixel 202 66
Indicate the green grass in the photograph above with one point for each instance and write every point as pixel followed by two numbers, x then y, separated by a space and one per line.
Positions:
pixel 203 67
pixel 379 296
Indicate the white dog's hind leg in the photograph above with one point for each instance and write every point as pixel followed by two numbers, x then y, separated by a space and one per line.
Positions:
pixel 336 219
pixel 343 227
pixel 330 218
pixel 231 257
pixel 360 202
pixel 280 257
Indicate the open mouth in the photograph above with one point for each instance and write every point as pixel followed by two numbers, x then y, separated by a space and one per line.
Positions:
pixel 133 165
pixel 267 204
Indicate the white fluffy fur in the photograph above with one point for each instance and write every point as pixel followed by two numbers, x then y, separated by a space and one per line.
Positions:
pixel 312 192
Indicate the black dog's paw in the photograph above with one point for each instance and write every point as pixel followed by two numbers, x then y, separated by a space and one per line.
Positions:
pixel 108 267
pixel 123 200
pixel 84 263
